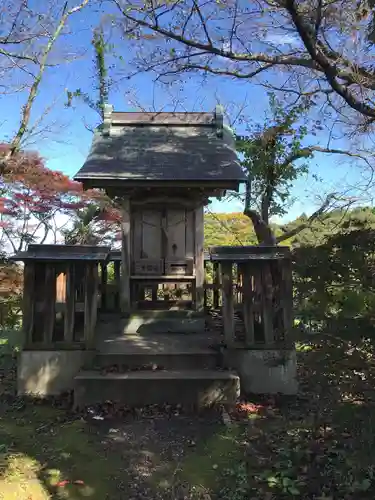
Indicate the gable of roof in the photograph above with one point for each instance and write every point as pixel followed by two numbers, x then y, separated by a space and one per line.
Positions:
pixel 162 147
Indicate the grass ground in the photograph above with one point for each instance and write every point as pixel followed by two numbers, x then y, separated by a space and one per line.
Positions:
pixel 317 446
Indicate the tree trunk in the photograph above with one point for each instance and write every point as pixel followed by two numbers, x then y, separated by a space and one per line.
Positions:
pixel 263 232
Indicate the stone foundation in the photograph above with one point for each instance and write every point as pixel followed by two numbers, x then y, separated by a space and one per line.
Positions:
pixel 49 373
pixel 264 371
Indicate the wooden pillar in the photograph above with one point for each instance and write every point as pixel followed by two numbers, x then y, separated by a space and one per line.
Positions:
pixel 248 301
pixel 29 298
pixel 266 300
pixel 239 283
pixel 91 302
pixel 287 290
pixel 125 257
pixel 228 302
pixel 70 303
pixel 103 285
pixel 199 259
pixel 216 271
pixel 49 301
pixel 204 285
pixel 116 270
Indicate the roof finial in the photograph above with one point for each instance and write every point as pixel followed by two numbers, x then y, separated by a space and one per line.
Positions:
pixel 107 118
pixel 219 120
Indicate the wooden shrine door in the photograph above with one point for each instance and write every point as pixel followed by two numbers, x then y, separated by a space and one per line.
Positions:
pixel 163 241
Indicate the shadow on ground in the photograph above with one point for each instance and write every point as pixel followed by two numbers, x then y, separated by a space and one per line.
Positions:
pixel 317 446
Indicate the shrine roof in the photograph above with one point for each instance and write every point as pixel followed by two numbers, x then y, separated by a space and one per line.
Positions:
pixel 162 147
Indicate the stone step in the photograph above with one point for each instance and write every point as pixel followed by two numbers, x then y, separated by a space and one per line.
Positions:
pixel 194 360
pixel 192 388
pixel 158 321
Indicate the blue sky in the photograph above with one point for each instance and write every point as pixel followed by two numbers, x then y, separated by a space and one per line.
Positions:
pixel 67 141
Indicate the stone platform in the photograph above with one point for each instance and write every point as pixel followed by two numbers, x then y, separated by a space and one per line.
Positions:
pixel 155 367
pixel 159 367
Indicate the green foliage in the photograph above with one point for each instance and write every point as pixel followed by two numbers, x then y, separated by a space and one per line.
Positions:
pixel 270 152
pixel 238 479
pixel 334 264
pixel 101 80
pixel 10 312
pixel 228 229
pixel 83 230
pixel 334 271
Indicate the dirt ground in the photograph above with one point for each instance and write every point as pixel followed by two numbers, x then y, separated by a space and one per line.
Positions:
pixel 319 445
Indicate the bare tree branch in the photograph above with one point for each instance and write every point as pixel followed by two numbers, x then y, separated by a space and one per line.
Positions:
pixel 23 57
pixel 318 213
pixel 312 27
pixel 317 55
pixel 26 110
pixel 307 151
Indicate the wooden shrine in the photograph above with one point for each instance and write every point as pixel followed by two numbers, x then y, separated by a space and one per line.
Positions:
pixel 162 168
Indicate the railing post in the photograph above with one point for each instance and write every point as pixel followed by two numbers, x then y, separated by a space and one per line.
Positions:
pixel 267 310
pixel 70 303
pixel 287 294
pixel 103 285
pixel 28 306
pixel 116 267
pixel 216 281
pixel 49 301
pixel 248 302
pixel 228 302
pixel 91 302
pixel 204 285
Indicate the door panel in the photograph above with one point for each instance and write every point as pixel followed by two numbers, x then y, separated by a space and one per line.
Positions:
pixel 176 236
pixel 151 234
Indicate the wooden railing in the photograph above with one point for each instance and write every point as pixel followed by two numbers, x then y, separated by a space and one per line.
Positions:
pixel 253 287
pixel 65 287
pixel 250 286
pixel 61 292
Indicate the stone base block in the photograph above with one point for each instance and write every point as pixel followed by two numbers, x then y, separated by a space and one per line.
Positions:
pixel 264 371
pixel 49 373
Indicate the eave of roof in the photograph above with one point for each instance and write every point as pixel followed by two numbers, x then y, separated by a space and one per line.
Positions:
pixel 179 148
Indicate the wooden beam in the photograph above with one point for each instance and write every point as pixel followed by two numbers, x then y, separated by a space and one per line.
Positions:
pixel 91 303
pixel 28 305
pixel 228 302
pixel 117 187
pixel 125 256
pixel 169 200
pixel 199 259
pixel 70 303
